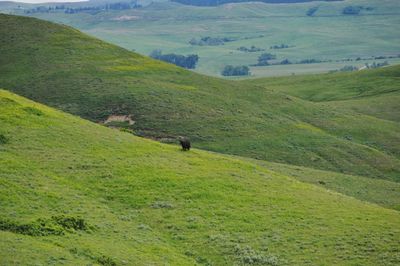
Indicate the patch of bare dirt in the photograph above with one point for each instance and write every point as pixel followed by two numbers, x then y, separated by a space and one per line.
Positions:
pixel 120 118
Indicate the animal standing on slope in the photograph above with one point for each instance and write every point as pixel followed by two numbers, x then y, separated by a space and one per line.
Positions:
pixel 185 143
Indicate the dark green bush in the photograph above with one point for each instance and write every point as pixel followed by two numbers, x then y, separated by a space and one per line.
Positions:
pixel 38 228
pixel 57 225
pixel 107 261
pixel 3 139
pixel 236 71
pixel 71 223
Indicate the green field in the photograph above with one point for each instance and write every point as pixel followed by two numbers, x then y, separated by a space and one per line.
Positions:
pixel 328 35
pixel 139 202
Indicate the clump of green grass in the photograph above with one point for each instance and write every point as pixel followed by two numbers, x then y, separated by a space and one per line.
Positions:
pixel 72 223
pixel 40 227
pixel 56 225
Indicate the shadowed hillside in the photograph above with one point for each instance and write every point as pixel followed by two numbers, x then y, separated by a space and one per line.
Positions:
pixel 64 68
pixel 74 193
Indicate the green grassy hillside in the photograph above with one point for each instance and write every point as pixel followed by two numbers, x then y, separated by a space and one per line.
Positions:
pixel 73 192
pixel 375 93
pixel 64 68
pixel 327 35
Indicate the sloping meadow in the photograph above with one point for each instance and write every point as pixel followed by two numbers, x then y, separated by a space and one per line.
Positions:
pixel 120 199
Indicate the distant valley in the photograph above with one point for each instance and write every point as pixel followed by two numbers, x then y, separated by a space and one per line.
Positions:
pixel 304 38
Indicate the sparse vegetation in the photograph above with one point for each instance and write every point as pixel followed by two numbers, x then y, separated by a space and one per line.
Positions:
pixel 211 41
pixel 347 69
pixel 281 46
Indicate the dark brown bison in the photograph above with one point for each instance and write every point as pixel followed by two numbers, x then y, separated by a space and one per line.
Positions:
pixel 185 143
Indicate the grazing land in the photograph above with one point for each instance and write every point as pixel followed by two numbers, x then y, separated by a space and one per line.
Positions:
pixel 320 32
pixel 66 69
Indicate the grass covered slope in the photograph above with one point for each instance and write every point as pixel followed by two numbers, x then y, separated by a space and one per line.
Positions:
pixel 97 195
pixel 382 192
pixel 375 92
pixel 64 68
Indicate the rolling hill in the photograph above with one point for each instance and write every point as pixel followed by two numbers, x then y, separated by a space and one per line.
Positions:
pixel 375 93
pixel 61 67
pixel 74 192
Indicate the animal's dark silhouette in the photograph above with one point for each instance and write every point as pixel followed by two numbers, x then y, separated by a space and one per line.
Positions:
pixel 185 143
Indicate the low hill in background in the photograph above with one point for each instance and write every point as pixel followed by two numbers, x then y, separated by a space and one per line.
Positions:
pixel 64 68
pixel 93 195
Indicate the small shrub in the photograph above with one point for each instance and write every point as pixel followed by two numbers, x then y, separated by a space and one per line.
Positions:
pixel 247 256
pixel 144 227
pixel 162 205
pixel 3 139
pixel 107 261
pixel 71 223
